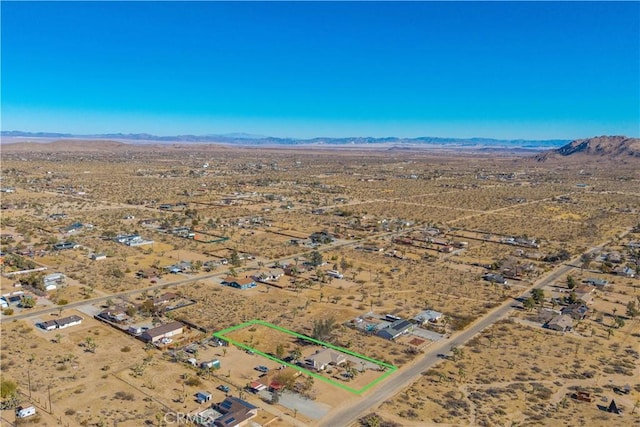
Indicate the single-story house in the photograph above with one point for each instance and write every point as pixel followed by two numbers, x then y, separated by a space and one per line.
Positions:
pixel 69 321
pixel 239 283
pixel 146 274
pixel 164 298
pixel 132 240
pixel 585 298
pixel 396 329
pixel 49 325
pixel 181 267
pixel 562 323
pixel 614 257
pixel 52 281
pixel 163 331
pixel 114 315
pixel 65 322
pixel 237 412
pixel 269 276
pixel 323 358
pixel 625 271
pixel 600 283
pixel 321 237
pixel 76 226
pixel 495 278
pixel 576 311
pixel 14 297
pixel 63 245
pixel 427 316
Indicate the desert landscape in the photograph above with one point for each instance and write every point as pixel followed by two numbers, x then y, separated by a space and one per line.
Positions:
pixel 433 287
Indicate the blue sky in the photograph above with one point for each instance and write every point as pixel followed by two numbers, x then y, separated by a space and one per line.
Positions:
pixel 536 70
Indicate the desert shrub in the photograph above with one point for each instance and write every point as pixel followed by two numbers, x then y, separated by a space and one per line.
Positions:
pixel 409 413
pixel 125 349
pixel 193 381
pixel 123 395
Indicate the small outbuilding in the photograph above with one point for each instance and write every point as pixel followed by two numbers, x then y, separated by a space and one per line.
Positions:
pixel 211 364
pixel 203 396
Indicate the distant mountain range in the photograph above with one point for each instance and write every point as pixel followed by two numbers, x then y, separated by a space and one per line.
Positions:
pixel 614 147
pixel 258 140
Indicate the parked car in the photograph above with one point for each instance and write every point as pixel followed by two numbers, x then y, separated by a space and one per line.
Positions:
pixel 262 368
pixel 224 388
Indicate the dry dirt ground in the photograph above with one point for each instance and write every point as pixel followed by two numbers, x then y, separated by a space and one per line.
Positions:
pixel 261 200
pixel 514 373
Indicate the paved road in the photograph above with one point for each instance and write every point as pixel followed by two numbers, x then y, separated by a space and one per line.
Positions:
pixel 349 413
pixel 31 313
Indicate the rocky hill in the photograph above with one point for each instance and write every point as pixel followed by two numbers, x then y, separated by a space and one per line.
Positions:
pixel 614 147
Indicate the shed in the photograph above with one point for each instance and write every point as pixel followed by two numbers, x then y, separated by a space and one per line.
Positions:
pixel 203 396
pixel 215 364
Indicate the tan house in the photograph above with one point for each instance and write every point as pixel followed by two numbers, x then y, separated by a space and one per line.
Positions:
pixel 562 323
pixel 163 331
pixel 324 358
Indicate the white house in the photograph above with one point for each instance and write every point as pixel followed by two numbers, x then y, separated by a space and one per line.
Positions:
pixel 322 359
pixel 427 316
pixel 52 281
pixel 69 321
pixel 65 322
